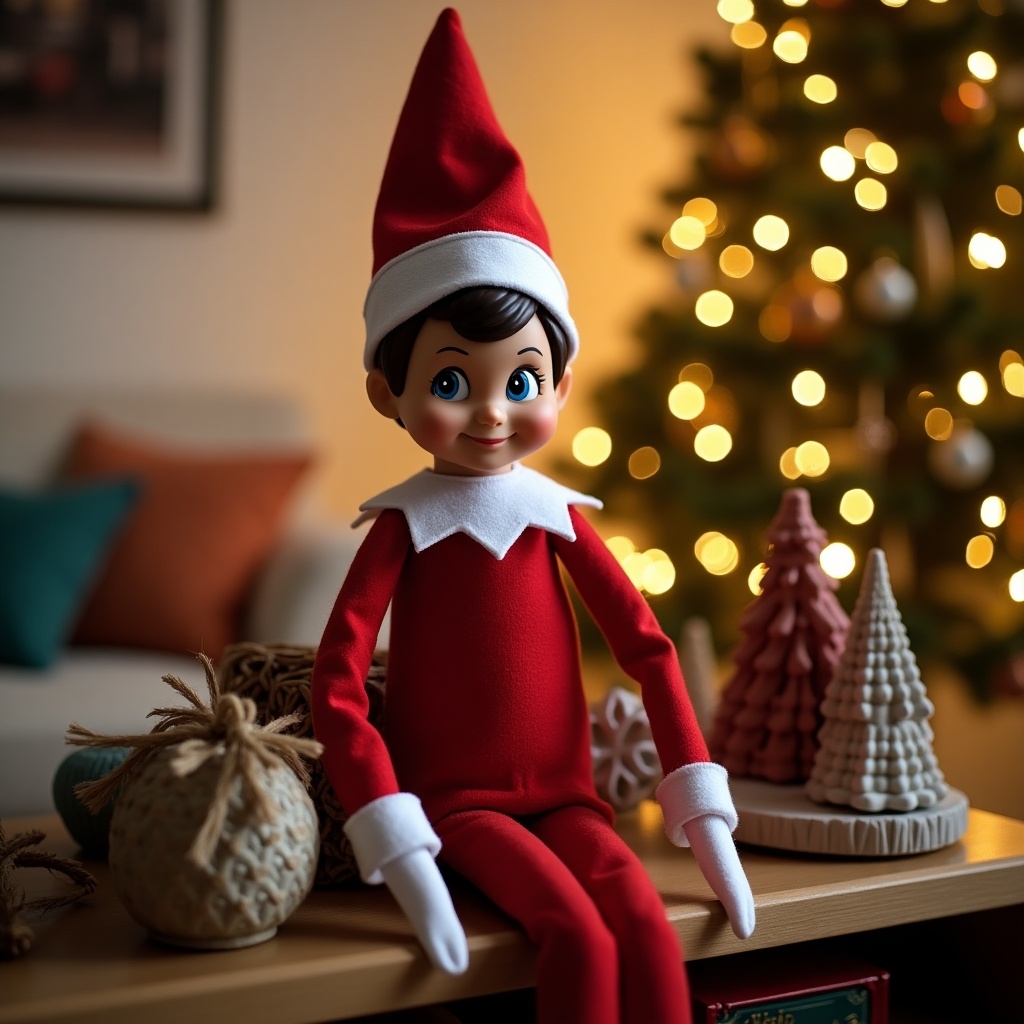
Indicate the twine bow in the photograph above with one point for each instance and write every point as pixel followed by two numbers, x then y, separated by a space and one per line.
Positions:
pixel 226 728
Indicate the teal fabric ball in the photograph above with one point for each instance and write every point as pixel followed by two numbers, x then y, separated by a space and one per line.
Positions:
pixel 90 831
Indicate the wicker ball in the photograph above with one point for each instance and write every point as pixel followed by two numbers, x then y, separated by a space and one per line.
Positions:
pixel 259 873
pixel 277 677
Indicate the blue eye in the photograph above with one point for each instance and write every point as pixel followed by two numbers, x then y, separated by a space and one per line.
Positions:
pixel 523 385
pixel 450 385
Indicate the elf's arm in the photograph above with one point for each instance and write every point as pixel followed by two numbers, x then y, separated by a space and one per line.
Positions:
pixel 391 837
pixel 694 794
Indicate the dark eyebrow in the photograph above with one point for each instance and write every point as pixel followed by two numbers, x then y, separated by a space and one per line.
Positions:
pixel 452 348
pixel 523 351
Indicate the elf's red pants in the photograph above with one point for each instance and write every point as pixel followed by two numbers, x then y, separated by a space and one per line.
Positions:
pixel 606 952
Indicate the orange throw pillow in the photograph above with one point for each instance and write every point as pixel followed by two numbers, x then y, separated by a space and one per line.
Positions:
pixel 178 576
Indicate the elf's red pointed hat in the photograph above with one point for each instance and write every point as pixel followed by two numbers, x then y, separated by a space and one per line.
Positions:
pixel 453 210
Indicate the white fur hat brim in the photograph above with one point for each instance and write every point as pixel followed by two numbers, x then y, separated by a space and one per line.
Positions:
pixel 414 280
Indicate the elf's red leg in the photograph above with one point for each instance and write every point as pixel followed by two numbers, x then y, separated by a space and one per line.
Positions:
pixel 653 978
pixel 577 961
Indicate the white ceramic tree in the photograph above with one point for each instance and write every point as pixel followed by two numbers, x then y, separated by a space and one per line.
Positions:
pixel 875 747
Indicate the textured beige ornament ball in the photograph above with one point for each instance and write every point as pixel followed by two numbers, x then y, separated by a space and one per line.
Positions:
pixel 257 876
pixel 625 761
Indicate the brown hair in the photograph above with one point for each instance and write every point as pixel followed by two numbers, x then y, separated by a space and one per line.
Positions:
pixel 477 314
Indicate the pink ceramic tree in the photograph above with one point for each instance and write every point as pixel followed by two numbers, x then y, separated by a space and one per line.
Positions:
pixel 767 721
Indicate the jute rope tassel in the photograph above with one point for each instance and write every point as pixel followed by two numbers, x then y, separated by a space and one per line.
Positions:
pixel 227 727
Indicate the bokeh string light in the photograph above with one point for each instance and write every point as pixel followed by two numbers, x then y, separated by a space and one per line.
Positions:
pixel 805 283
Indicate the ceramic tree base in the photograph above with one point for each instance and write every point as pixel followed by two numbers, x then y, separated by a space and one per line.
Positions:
pixel 785 818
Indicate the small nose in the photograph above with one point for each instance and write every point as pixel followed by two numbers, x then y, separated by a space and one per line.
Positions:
pixel 490 413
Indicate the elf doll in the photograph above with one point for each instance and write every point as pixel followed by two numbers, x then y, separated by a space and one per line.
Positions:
pixel 483 760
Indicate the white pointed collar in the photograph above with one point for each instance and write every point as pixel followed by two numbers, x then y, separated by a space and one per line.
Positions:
pixel 493 510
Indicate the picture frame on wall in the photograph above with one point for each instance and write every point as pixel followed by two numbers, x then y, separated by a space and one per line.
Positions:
pixel 109 103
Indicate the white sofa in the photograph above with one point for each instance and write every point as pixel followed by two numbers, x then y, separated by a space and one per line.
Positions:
pixel 111 690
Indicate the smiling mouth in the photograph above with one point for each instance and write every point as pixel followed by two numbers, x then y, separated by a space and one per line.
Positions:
pixel 488 441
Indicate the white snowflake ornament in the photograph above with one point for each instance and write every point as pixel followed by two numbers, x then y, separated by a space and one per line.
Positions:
pixel 625 761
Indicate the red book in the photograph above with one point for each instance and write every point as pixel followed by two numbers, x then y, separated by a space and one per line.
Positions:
pixel 783 986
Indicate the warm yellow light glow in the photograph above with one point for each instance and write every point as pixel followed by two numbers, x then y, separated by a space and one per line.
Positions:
pixel 838 163
pixel 790 46
pixel 972 388
pixel 1017 585
pixel 881 157
pixel 856 506
pixel 736 261
pixel 837 560
pixel 787 464
pixel 829 263
pixel 870 193
pixel 979 551
pixel 981 65
pixel 671 248
pixel 621 547
pixel 1020 137
pixel 713 308
pixel 938 424
pixel 973 96
pixel 717 553
pixel 635 566
pixel 660 573
pixel 1013 379
pixel 771 232
pixel 687 232
pixel 795 3
pixel 713 442
pixel 686 400
pixel 857 140
pixel 895 3
pixel 592 446
pixel 754 578
pixel 993 511
pixel 1008 199
pixel 735 11
pixel 820 89
pixel 986 251
pixel 644 463
pixel 703 209
pixel 699 374
pixel 812 458
pixel 808 387
pixel 749 35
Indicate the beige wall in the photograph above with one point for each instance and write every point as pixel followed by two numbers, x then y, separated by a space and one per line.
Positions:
pixel 266 293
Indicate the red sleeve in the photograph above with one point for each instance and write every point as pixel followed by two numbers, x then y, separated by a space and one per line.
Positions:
pixel 355 757
pixel 638 642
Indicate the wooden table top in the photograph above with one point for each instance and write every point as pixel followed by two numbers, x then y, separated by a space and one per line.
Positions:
pixel 350 952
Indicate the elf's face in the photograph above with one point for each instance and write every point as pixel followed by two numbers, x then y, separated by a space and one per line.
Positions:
pixel 476 406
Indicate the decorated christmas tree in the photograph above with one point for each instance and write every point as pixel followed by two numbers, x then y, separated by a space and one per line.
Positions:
pixel 843 313
pixel 768 718
pixel 876 743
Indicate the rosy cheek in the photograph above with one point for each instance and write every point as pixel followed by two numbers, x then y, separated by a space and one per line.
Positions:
pixel 539 426
pixel 433 426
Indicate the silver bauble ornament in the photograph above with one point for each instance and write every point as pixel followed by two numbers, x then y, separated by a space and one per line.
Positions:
pixel 885 291
pixel 963 461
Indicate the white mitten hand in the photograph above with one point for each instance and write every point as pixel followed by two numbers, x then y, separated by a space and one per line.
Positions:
pixel 416 883
pixel 709 838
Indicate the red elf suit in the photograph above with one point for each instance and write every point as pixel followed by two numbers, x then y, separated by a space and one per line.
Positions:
pixel 483 759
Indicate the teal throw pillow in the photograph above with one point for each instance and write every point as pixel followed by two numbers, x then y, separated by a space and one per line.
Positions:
pixel 52 547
